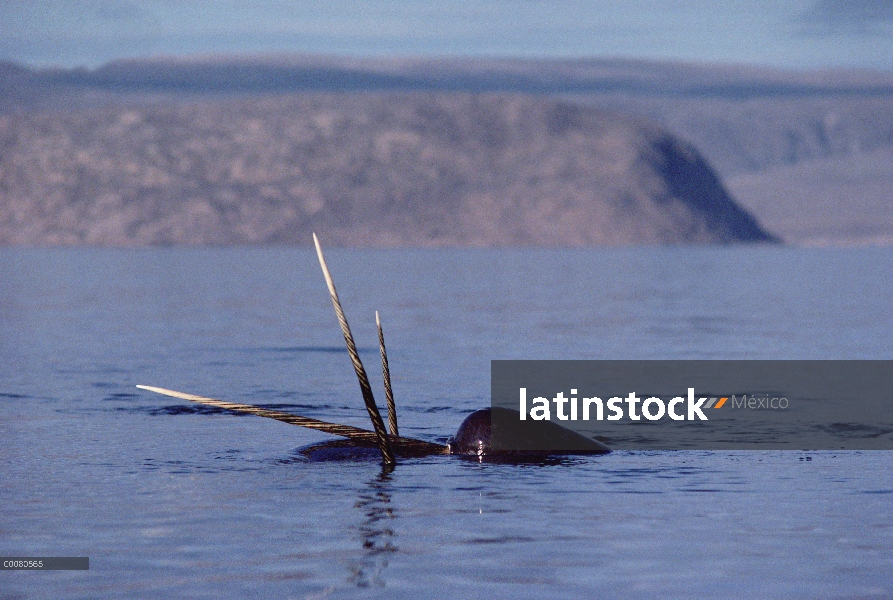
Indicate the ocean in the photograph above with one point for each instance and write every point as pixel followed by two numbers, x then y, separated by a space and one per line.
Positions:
pixel 169 499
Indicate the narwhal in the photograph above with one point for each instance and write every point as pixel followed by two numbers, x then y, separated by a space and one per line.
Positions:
pixel 473 438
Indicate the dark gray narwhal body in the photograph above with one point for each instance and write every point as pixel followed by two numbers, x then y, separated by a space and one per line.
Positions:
pixel 526 441
pixel 499 432
pixel 513 439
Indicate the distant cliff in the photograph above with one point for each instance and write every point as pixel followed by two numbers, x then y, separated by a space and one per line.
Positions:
pixel 415 168
pixel 742 118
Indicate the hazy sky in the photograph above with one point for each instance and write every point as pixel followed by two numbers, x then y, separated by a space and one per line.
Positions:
pixel 794 33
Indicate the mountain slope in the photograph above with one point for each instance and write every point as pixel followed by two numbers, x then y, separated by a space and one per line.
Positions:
pixel 362 169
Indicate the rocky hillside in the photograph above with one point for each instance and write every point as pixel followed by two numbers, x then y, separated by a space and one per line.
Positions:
pixel 743 119
pixel 362 169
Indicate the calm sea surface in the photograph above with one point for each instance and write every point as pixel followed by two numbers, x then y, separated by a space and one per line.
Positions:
pixel 173 501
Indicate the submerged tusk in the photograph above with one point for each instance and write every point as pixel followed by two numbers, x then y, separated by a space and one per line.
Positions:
pixel 386 374
pixel 377 424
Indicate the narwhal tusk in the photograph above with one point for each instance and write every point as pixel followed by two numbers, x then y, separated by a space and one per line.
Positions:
pixel 406 446
pixel 386 374
pixel 346 431
pixel 377 424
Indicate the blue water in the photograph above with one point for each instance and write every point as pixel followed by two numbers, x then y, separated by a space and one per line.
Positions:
pixel 171 501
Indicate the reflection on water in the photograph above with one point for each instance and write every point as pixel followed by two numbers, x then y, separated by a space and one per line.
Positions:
pixel 376 531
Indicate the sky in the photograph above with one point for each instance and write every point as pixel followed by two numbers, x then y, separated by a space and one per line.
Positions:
pixel 796 34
